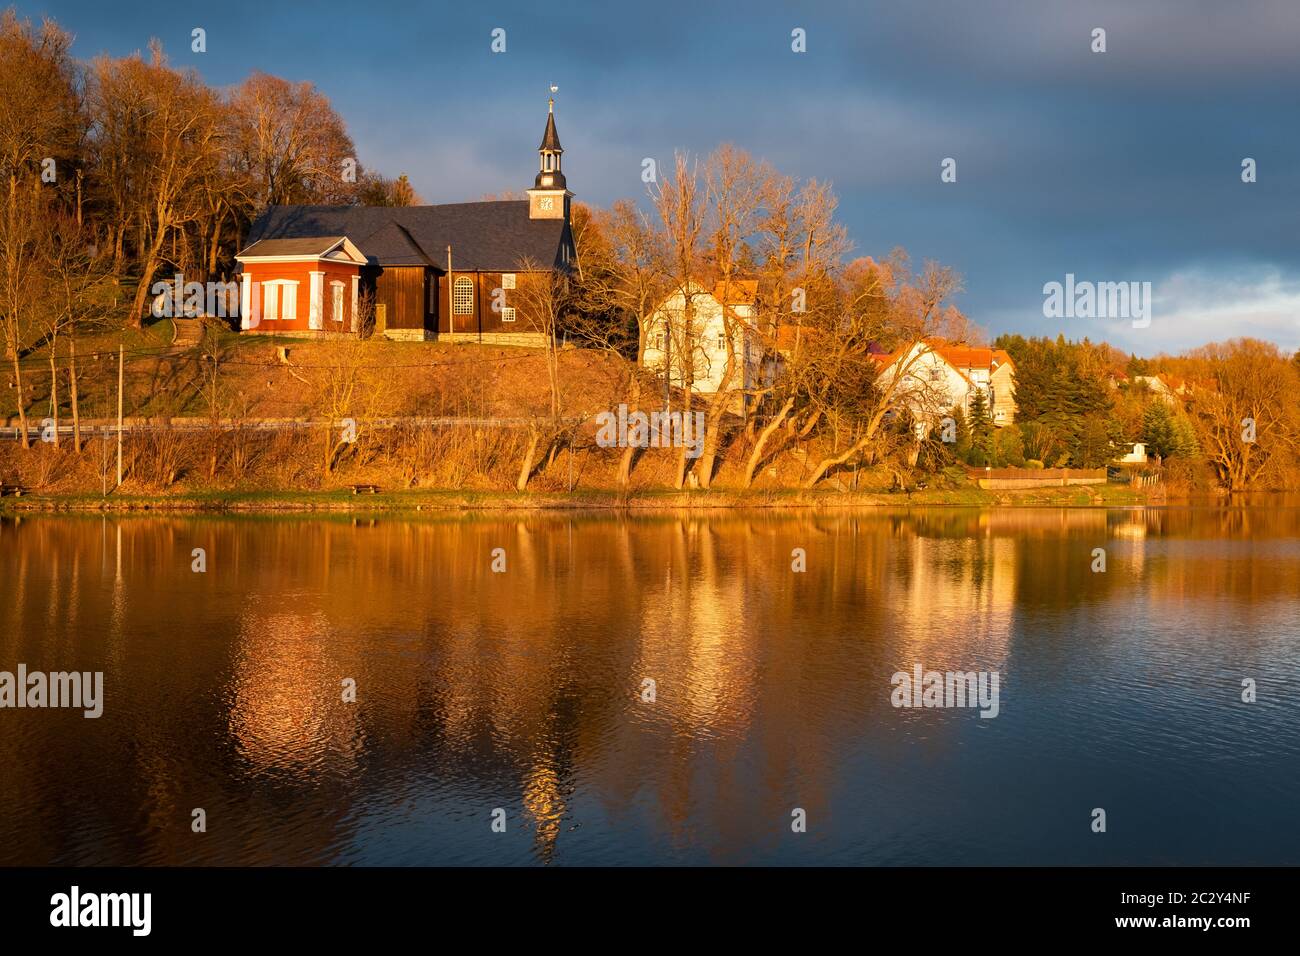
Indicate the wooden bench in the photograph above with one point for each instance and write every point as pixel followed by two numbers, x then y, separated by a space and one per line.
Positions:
pixel 365 489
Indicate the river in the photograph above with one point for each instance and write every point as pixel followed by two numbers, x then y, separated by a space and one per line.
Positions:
pixel 602 689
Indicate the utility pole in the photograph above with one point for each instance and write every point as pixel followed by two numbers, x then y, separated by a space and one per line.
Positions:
pixel 451 307
pixel 120 350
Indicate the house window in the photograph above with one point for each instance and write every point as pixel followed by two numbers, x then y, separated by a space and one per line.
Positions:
pixel 280 300
pixel 462 301
pixel 508 314
pixel 722 341
pixel 336 301
pixel 507 280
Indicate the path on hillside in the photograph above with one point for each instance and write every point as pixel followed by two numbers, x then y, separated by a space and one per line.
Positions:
pixel 188 334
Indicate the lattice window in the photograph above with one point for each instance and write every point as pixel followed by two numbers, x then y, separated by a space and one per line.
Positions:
pixel 508 313
pixel 462 301
pixel 507 280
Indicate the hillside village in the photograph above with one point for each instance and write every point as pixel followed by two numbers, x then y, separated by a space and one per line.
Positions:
pixel 254 320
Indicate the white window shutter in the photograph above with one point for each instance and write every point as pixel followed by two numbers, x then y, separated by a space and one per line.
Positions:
pixel 270 300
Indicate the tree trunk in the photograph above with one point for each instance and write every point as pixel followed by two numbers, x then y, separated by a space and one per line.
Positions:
pixel 119 232
pixel 712 437
pixel 72 384
pixel 22 411
pixel 54 393
pixel 151 263
pixel 756 455
pixel 526 466
pixel 213 250
pixel 628 458
pixel 625 466
pixel 828 463
pixel 683 464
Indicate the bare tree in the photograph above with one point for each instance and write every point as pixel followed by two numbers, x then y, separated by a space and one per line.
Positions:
pixel 38 130
pixel 678 202
pixel 618 256
pixel 180 131
pixel 735 189
pixel 540 300
pixel 1244 408
pixel 292 143
pixel 801 249
pixel 892 306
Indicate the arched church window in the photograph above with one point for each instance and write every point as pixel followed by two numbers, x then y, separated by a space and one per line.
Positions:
pixel 462 301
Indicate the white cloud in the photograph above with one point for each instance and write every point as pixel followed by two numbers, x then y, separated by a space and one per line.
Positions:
pixel 1195 306
pixel 1191 306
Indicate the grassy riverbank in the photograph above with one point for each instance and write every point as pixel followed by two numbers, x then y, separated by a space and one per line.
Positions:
pixel 587 499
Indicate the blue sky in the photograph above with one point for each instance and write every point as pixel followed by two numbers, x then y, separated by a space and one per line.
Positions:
pixel 1115 166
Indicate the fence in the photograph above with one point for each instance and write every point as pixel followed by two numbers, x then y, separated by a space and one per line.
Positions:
pixel 129 425
pixel 1008 478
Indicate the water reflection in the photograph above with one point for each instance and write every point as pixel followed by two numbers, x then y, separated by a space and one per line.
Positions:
pixel 525 690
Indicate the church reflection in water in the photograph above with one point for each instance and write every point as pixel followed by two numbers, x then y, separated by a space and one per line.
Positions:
pixel 627 689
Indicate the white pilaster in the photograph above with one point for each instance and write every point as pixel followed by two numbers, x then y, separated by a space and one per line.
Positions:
pixel 246 317
pixel 356 284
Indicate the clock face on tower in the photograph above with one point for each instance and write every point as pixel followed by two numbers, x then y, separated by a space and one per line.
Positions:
pixel 546 203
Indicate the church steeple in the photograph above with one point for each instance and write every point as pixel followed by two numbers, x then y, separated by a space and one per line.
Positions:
pixel 549 197
pixel 550 153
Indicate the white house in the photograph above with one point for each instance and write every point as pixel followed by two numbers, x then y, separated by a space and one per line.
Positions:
pixel 712 341
pixel 1137 456
pixel 938 377
pixel 1165 387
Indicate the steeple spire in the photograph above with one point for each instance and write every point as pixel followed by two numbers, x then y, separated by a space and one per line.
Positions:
pixel 549 197
pixel 549 175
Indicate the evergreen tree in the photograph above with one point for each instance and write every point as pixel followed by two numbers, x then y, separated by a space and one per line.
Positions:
pixel 1158 429
pixel 961 448
pixel 981 430
pixel 1094 449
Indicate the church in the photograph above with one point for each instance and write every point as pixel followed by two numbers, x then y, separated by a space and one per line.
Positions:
pixel 429 272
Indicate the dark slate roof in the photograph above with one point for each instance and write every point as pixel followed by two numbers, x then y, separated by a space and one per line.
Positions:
pixel 550 139
pixel 310 246
pixel 484 236
pixel 393 246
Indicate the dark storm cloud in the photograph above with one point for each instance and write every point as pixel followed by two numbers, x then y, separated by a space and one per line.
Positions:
pixel 1116 166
